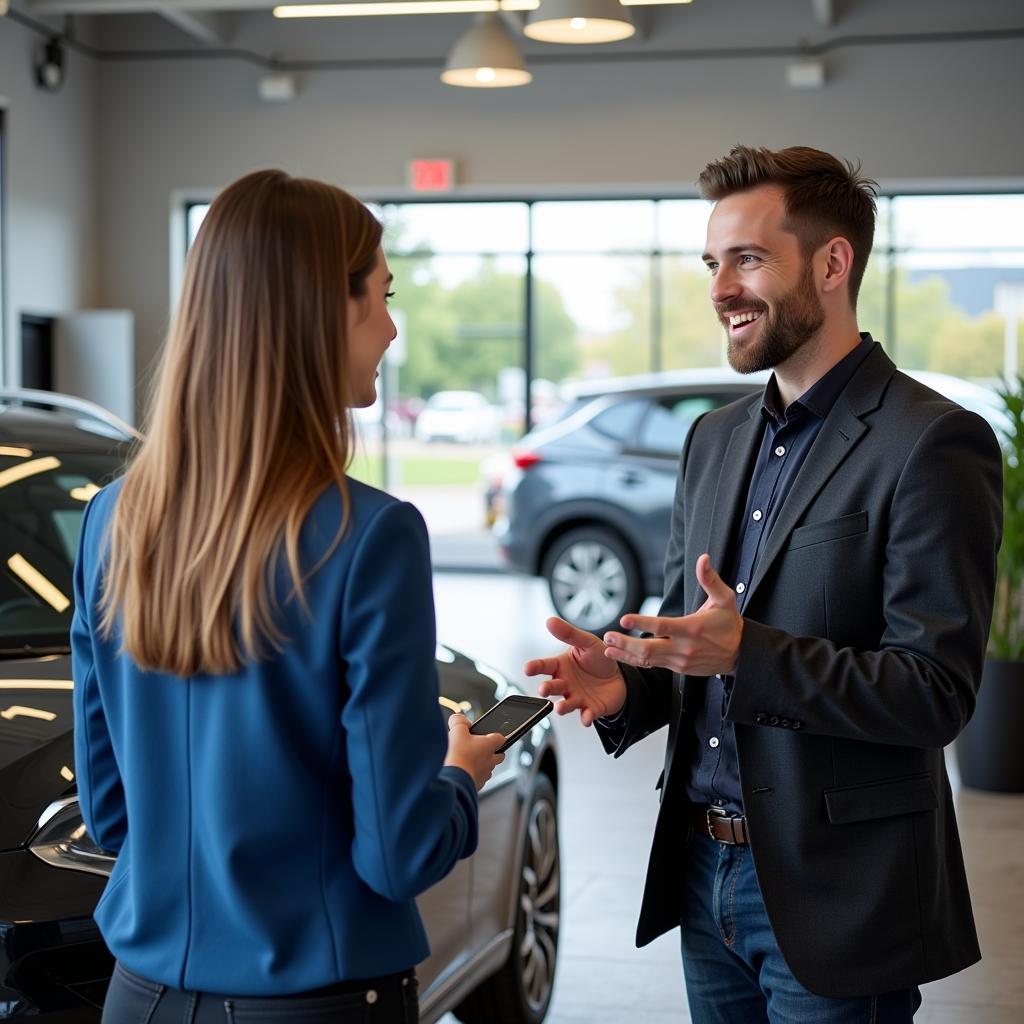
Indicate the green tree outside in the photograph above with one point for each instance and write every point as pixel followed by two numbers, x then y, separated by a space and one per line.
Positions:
pixel 461 336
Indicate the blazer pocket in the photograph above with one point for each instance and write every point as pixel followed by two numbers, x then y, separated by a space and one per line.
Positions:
pixel 832 529
pixel 847 804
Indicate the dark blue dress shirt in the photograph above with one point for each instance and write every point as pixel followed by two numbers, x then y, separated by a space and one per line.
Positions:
pixel 714 776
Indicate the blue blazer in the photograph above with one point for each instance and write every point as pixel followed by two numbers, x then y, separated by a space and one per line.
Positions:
pixel 274 825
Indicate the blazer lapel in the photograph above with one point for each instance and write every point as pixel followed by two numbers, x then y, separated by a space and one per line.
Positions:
pixel 730 494
pixel 839 435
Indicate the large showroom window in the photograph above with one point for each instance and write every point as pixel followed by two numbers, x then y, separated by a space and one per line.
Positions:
pixel 502 305
pixel 958 280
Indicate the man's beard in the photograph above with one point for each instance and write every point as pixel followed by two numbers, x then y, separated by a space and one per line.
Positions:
pixel 797 317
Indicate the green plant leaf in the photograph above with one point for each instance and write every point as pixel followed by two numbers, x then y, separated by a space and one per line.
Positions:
pixel 1006 638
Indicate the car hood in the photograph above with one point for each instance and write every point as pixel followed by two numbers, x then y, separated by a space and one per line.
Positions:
pixel 36 742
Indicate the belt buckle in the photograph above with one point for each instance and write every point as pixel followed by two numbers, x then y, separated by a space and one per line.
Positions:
pixel 722 814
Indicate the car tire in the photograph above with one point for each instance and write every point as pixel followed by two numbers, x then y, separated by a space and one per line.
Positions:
pixel 593 578
pixel 520 991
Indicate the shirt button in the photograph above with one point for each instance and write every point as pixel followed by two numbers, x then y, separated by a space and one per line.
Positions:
pixel 757 515
pixel 740 587
pixel 714 741
pixel 780 451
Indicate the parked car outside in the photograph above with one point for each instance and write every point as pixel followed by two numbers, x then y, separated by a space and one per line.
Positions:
pixel 587 500
pixel 493 923
pixel 465 417
pixel 370 420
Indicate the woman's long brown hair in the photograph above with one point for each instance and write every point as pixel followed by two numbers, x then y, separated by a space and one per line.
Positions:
pixel 249 423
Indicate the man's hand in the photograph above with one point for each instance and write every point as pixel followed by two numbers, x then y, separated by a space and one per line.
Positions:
pixel 582 676
pixel 705 643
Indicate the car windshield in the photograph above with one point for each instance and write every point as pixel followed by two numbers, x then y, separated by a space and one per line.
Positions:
pixel 42 498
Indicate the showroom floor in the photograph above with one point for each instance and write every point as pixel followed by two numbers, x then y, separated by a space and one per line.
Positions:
pixel 607 813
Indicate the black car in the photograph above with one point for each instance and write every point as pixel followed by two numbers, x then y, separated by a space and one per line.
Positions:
pixel 493 922
pixel 588 501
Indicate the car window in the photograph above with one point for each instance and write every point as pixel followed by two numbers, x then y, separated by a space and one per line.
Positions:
pixel 666 425
pixel 619 421
pixel 42 499
pixel 567 410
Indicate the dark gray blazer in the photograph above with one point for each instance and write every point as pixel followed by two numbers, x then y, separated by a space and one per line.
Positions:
pixel 865 630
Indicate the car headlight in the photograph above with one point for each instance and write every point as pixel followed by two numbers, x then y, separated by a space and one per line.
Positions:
pixel 60 839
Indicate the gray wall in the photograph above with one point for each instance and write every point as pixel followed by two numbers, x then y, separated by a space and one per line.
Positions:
pixel 925 114
pixel 51 259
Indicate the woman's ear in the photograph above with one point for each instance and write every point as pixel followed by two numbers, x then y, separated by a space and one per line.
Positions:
pixel 357 309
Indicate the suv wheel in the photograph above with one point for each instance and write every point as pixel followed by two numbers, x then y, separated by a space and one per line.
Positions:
pixel 593 578
pixel 520 991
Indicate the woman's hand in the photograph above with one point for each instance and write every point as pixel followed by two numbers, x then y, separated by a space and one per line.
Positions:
pixel 475 755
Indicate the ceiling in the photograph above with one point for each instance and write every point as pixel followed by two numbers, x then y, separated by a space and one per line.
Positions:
pixel 703 29
pixel 214 22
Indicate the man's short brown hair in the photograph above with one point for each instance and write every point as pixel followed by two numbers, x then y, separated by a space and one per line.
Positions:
pixel 824 196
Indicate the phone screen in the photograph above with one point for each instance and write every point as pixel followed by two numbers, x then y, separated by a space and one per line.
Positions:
pixel 512 717
pixel 506 717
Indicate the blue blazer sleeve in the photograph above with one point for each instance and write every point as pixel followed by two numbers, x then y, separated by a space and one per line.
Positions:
pixel 100 792
pixel 413 818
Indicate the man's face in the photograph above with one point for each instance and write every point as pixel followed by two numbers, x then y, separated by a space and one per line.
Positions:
pixel 762 287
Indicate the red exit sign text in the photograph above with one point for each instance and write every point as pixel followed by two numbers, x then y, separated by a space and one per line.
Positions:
pixel 431 175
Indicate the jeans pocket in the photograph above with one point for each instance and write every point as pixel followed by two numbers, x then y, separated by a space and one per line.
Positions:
pixel 130 999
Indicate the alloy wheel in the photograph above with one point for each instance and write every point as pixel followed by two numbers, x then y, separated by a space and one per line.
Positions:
pixel 539 903
pixel 589 584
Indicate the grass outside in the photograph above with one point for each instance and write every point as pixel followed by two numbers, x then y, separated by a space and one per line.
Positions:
pixel 418 470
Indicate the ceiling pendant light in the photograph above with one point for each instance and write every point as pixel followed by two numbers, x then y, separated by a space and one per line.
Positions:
pixel 486 57
pixel 579 21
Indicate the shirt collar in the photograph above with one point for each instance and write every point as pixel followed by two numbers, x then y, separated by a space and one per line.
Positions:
pixel 819 398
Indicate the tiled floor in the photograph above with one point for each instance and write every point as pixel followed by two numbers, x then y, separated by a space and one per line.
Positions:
pixel 607 812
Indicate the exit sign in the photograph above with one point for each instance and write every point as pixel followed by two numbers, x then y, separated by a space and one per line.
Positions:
pixel 431 175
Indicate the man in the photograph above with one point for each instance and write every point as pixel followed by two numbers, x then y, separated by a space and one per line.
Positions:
pixel 829 583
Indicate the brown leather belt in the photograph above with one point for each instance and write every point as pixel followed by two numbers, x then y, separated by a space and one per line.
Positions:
pixel 727 828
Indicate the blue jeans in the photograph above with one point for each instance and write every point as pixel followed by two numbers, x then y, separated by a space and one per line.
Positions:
pixel 735 973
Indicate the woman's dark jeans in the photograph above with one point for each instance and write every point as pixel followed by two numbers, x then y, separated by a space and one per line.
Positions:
pixel 389 1000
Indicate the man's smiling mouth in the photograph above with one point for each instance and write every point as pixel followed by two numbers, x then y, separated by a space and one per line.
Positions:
pixel 736 319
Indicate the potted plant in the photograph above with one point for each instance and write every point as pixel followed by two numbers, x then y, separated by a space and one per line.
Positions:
pixel 990 750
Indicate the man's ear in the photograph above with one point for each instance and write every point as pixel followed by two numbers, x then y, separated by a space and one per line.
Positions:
pixel 837 262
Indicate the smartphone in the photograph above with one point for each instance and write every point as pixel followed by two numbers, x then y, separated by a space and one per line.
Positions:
pixel 513 717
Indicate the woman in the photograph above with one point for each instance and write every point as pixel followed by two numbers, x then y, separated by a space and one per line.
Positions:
pixel 257 726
